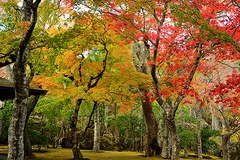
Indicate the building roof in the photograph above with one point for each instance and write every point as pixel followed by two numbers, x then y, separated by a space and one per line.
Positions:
pixel 7 90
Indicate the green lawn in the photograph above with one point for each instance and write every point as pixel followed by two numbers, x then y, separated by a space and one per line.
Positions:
pixel 66 154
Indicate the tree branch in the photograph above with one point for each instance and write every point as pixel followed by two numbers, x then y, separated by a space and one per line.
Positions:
pixel 38 46
pixel 191 75
pixel 28 35
pixel 99 76
pixel 89 120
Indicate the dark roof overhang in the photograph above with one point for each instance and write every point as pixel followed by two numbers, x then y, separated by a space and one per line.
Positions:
pixel 7 90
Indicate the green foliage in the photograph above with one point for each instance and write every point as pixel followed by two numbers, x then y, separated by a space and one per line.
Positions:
pixel 6 114
pixel 187 138
pixel 37 138
pixel 187 116
pixel 56 112
pixel 7 111
pixel 209 145
pixel 129 126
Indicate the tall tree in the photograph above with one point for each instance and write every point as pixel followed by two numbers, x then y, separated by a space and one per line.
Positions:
pixel 181 35
pixel 141 56
pixel 21 83
pixel 227 94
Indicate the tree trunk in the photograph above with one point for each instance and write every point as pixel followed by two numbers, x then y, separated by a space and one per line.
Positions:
pixel 174 139
pixel 215 120
pixel 96 145
pixel 169 112
pixel 116 125
pixel 32 101
pixel 21 85
pixel 151 143
pixel 105 116
pixel 75 136
pixel 133 138
pixel 142 133
pixel 140 56
pixel 166 144
pixel 160 128
pixel 225 141
pixel 199 137
pixel 183 118
pixel 19 112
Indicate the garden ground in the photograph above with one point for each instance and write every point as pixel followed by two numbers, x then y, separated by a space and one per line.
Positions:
pixel 66 154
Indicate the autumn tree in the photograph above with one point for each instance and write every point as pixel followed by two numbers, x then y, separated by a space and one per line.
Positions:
pixel 227 95
pixel 179 36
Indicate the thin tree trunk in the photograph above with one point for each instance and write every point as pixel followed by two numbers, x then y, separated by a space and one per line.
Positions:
pixel 183 118
pixel 75 136
pixel 199 137
pixel 116 125
pixel 133 147
pixel 215 120
pixel 105 116
pixel 96 145
pixel 160 128
pixel 142 134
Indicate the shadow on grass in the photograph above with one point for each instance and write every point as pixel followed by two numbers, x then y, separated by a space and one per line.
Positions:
pixel 41 151
pixel 195 156
pixel 83 159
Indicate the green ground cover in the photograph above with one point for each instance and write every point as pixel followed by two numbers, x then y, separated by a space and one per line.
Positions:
pixel 66 154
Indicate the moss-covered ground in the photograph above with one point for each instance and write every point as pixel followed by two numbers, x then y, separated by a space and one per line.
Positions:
pixel 66 154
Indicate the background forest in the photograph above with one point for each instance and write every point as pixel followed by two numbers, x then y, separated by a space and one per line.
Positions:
pixel 157 77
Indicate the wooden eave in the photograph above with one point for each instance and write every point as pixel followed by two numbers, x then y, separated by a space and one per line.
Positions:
pixel 7 90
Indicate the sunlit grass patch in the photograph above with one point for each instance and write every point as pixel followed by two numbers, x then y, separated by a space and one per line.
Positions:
pixel 66 154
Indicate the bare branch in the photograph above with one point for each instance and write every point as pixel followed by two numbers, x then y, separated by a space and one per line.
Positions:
pixel 228 65
pixel 39 46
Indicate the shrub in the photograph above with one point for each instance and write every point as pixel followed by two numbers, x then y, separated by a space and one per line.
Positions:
pixel 37 138
pixel 208 145
pixel 187 139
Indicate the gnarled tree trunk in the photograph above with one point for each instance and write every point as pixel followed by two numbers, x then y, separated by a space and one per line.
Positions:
pixel 141 56
pixel 170 122
pixel 21 85
pixel 151 142
pixel 75 136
